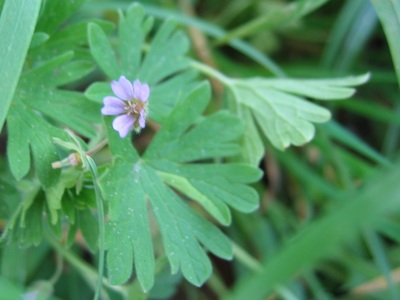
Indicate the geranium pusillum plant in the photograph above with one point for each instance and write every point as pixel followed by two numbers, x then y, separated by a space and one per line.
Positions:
pixel 130 106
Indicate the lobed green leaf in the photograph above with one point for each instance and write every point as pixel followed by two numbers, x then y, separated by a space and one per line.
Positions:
pixel 27 130
pixel 132 182
pixel 54 13
pixel 163 65
pixel 282 115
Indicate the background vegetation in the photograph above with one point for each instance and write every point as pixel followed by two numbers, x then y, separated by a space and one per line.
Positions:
pixel 327 225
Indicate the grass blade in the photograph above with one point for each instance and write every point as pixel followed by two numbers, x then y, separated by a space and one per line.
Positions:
pixel 389 15
pixel 293 11
pixel 358 211
pixel 17 23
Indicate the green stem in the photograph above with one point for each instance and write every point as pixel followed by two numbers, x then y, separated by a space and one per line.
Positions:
pixel 205 69
pixel 216 284
pixel 254 265
pixel 100 210
pixel 245 258
pixel 83 268
pixel 59 267
pixel 97 147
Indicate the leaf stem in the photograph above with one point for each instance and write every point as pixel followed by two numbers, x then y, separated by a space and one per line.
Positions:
pixel 97 147
pixel 84 269
pixel 59 267
pixel 209 71
pixel 245 258
pixel 100 210
pixel 216 284
pixel 255 266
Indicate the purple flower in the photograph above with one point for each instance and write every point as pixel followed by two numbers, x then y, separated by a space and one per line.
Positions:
pixel 130 106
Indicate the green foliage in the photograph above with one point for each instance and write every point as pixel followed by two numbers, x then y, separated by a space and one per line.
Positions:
pixel 16 16
pixel 281 113
pixel 389 15
pixel 9 291
pixel 54 13
pixel 27 130
pixel 158 209
pixel 356 213
pixel 274 18
pixel 128 237
pixel 164 58
pixel 133 180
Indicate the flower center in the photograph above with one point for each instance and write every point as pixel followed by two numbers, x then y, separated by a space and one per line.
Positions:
pixel 134 107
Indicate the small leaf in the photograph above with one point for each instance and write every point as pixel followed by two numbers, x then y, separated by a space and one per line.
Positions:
pixel 285 118
pixel 252 146
pixel 69 38
pixel 128 233
pixel 53 198
pixel 166 54
pixel 102 51
pixel 177 143
pixel 217 209
pixel 28 129
pixel 38 39
pixel 55 193
pixel 55 13
pixel 321 89
pixel 136 26
pixel 30 232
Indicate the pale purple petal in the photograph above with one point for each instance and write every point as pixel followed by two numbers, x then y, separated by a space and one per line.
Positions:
pixel 112 106
pixel 122 88
pixel 142 119
pixel 123 124
pixel 141 91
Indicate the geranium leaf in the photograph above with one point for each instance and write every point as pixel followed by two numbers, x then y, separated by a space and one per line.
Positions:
pixel 321 89
pixel 135 185
pixel 283 116
pixel 55 12
pixel 163 66
pixel 136 26
pixel 138 185
pixel 70 38
pixel 102 51
pixel 27 128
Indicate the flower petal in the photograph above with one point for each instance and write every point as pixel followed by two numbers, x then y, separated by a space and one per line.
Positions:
pixel 112 106
pixel 142 119
pixel 123 124
pixel 141 91
pixel 123 88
